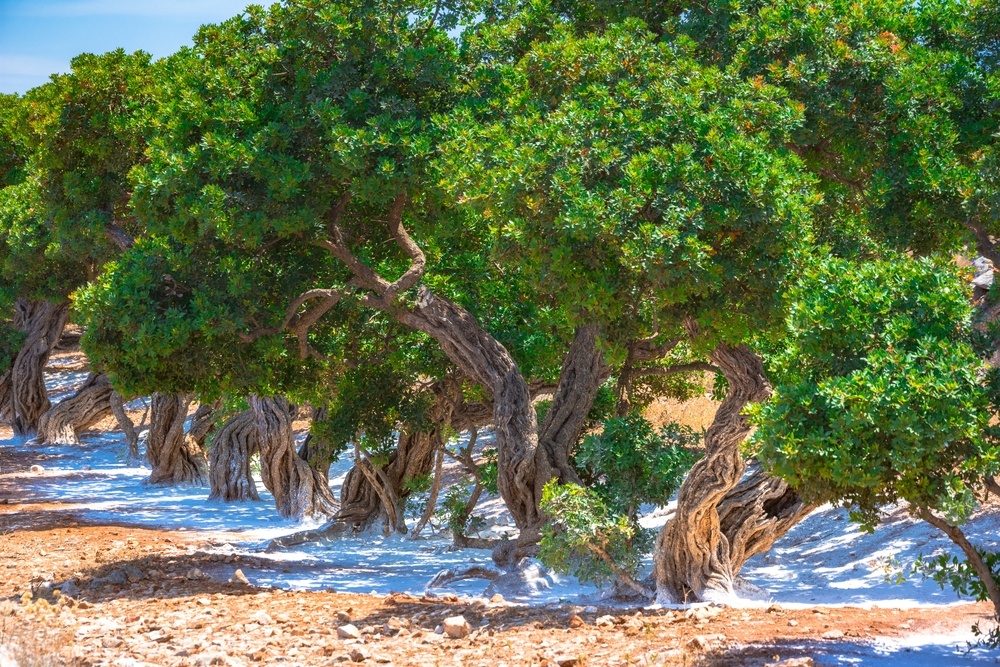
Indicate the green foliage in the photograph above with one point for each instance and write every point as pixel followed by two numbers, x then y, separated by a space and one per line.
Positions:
pixel 585 533
pixel 629 463
pixel 454 512
pixel 961 577
pixel 488 471
pixel 878 396
pixel 622 175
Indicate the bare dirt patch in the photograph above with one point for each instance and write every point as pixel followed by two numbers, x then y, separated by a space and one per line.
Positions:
pixel 180 605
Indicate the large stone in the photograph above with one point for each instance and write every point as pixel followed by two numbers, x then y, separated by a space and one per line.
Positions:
pixel 348 632
pixel 456 627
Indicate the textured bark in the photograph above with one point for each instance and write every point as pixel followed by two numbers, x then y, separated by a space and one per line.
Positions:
pixel 202 423
pixel 694 558
pixel 175 459
pixel 229 459
pixel 125 425
pixel 432 496
pixel 486 361
pixel 368 495
pixel 63 424
pixel 43 323
pixel 6 398
pixel 757 513
pixel 299 491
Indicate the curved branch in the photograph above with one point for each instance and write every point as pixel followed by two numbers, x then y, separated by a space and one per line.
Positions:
pixel 330 297
pixel 413 251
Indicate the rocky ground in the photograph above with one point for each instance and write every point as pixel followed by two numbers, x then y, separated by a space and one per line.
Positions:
pixel 149 597
pixel 77 592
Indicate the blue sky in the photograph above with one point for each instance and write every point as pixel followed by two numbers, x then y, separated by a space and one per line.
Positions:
pixel 39 37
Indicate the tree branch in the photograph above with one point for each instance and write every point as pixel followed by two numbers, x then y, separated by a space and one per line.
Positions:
pixel 118 235
pixel 676 369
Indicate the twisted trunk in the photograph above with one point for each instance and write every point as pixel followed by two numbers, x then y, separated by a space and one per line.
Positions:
pixel 43 322
pixel 694 559
pixel 174 458
pixel 583 372
pixel 299 491
pixel 757 513
pixel 486 361
pixel 63 424
pixel 202 423
pixel 6 397
pixel 229 459
pixel 125 425
pixel 368 496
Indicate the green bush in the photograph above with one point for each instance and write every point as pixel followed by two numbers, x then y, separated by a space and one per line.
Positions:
pixel 593 532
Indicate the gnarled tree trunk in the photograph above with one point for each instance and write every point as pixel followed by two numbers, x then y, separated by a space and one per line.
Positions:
pixel 202 423
pixel 43 322
pixel 6 398
pixel 229 459
pixel 694 559
pixel 757 513
pixel 299 491
pixel 175 459
pixel 63 424
pixel 125 425
pixel 368 495
pixel 480 356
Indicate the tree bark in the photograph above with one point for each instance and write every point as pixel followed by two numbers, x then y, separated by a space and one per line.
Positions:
pixel 125 424
pixel 175 459
pixel 757 513
pixel 694 559
pixel 43 322
pixel 63 424
pixel 486 361
pixel 202 423
pixel 6 398
pixel 299 491
pixel 363 497
pixel 229 459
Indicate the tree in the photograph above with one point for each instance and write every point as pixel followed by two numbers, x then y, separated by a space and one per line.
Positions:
pixel 66 215
pixel 881 398
pixel 335 160
pixel 656 196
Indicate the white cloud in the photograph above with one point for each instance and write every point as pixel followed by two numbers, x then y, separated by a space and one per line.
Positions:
pixel 185 9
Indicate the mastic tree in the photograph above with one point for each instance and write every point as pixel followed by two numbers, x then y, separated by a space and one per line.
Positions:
pixel 620 171
pixel 65 214
pixel 880 396
pixel 313 126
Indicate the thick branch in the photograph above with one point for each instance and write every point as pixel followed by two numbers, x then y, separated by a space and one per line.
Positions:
pixel 984 244
pixel 975 559
pixel 119 236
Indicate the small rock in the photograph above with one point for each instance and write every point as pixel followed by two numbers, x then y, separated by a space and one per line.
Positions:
pixel 605 621
pixel 773 608
pixel 117 577
pixel 343 617
pixel 793 662
pixel 239 578
pixel 134 574
pixel 456 627
pixel 348 632
pixel 793 623
pixel 358 654
pixel 69 588
pixel 37 469
pixel 833 634
pixel 383 659
pixel 497 599
pixel 566 661
pixel 575 621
